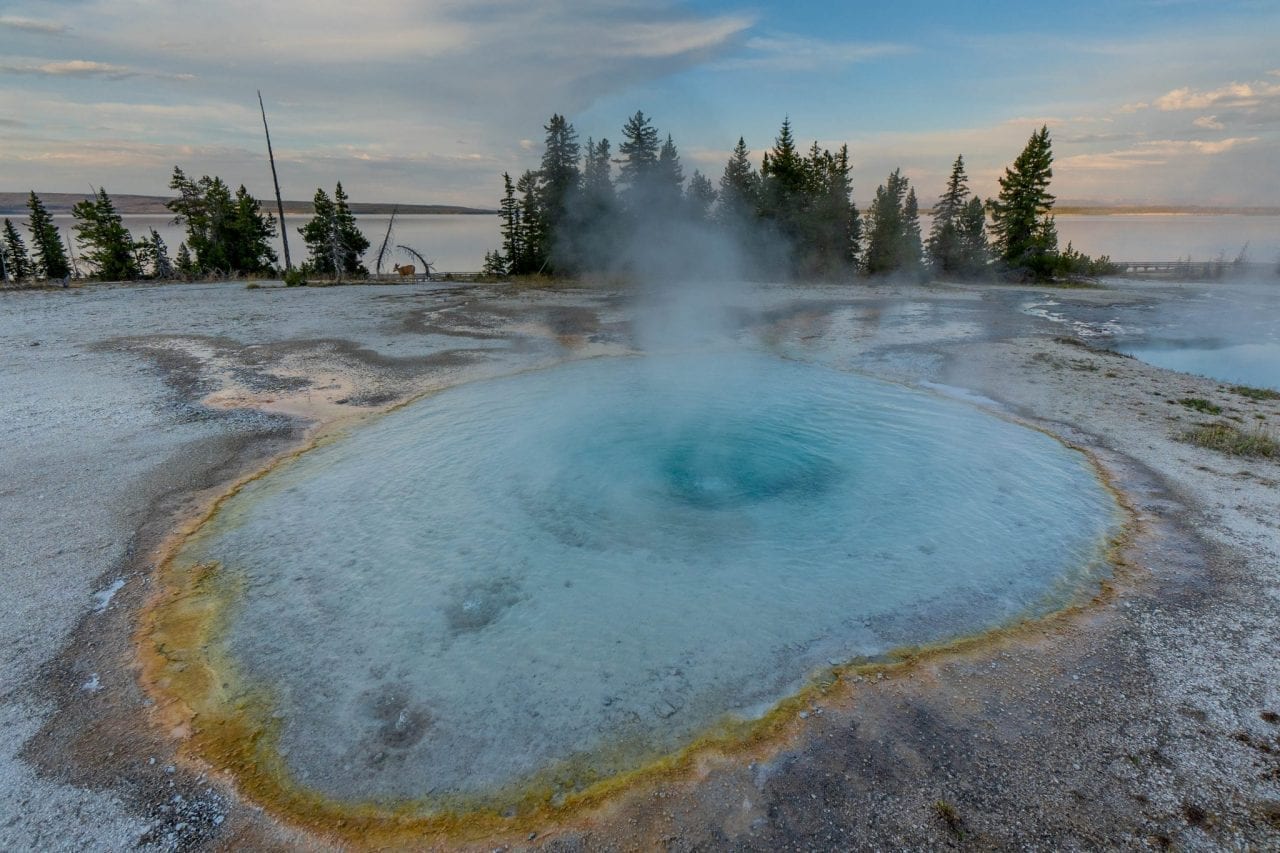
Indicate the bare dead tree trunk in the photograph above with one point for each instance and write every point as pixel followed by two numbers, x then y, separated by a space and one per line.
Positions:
pixel 75 267
pixel 284 232
pixel 336 251
pixel 386 241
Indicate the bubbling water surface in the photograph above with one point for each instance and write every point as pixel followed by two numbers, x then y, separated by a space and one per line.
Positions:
pixel 590 565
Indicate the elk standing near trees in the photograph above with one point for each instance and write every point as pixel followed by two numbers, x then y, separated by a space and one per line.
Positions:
pixel 405 270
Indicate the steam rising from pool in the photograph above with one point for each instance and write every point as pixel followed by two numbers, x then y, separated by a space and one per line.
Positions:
pixel 595 563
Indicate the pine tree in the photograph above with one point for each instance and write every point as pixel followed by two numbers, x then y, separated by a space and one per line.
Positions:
pixel 912 248
pixel 701 196
pixel 16 262
pixel 739 188
pixel 946 244
pixel 104 241
pixel 598 200
pixel 559 174
pixel 1021 218
pixel 186 264
pixel 494 265
pixel 597 177
pixel 207 209
pixel 352 240
pixel 784 179
pixel 893 241
pixel 49 255
pixel 974 252
pixel 511 226
pixel 321 236
pixel 668 178
pixel 853 238
pixel 639 150
pixel 226 233
pixel 250 233
pixel 155 254
pixel 827 214
pixel 533 227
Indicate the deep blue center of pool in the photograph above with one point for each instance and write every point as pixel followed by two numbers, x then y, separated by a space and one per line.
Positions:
pixel 595 563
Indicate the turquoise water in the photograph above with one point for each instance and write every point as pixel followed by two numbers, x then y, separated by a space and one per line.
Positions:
pixel 601 560
pixel 1227 329
pixel 1254 364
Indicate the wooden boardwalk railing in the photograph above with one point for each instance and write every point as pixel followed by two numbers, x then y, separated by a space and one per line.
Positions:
pixel 1191 269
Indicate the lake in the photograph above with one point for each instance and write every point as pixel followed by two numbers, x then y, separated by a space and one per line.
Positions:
pixel 451 242
pixel 457 243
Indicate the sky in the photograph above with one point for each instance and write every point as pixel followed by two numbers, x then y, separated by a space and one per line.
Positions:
pixel 430 101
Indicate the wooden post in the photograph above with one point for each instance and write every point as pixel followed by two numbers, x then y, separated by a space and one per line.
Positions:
pixel 284 232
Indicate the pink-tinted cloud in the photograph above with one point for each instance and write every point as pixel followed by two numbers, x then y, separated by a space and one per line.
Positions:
pixel 1230 95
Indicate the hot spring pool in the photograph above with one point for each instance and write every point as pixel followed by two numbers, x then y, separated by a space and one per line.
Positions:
pixel 1253 364
pixel 565 574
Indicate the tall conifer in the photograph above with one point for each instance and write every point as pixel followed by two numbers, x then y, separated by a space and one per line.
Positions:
pixel 511 226
pixel 739 188
pixel 639 150
pixel 104 241
pixel 16 261
pixel 668 178
pixel 48 253
pixel 1021 217
pixel 946 248
pixel 893 239
pixel 701 196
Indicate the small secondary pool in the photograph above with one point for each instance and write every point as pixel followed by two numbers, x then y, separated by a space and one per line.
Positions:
pixel 1256 365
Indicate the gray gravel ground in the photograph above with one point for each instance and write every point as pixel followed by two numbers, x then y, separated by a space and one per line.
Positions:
pixel 1149 722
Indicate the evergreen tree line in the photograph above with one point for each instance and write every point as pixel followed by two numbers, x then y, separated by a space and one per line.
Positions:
pixel 47 258
pixel 228 234
pixel 572 215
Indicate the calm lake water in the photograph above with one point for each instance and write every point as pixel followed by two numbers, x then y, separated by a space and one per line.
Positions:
pixel 451 242
pixel 455 243
pixel 1171 237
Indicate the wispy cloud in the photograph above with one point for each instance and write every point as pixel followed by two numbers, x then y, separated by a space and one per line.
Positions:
pixel 32 25
pixel 799 53
pixel 85 68
pixel 663 40
pixel 1196 146
pixel 1208 123
pixel 1230 95
pixel 1157 152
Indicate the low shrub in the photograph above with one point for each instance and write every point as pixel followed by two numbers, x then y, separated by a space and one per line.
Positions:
pixel 1257 442
pixel 1200 404
pixel 1256 393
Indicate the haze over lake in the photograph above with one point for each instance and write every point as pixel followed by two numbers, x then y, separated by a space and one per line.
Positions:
pixel 457 242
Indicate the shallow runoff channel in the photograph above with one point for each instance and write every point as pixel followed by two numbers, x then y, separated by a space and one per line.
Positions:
pixel 502 594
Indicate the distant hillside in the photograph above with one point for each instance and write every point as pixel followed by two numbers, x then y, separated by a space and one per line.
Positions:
pixel 1074 209
pixel 16 203
pixel 1100 209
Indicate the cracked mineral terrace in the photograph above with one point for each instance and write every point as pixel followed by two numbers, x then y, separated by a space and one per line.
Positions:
pixel 1149 717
